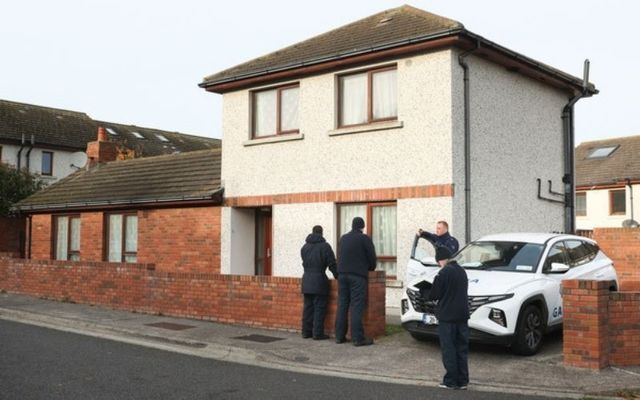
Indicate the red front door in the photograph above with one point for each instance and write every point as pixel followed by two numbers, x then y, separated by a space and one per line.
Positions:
pixel 263 242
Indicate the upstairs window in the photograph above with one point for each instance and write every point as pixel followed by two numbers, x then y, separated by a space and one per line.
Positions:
pixel 67 237
pixel 581 204
pixel 275 111
pixel 617 202
pixel 368 97
pixel 122 238
pixel 47 163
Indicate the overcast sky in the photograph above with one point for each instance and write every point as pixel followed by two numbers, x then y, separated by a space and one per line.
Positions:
pixel 139 62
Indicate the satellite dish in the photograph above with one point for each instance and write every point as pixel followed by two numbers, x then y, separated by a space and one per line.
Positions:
pixel 78 159
pixel 630 223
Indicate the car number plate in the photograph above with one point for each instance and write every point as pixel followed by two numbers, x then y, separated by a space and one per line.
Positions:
pixel 429 319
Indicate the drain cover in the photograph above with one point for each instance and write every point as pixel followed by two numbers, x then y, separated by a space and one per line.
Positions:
pixel 171 326
pixel 259 338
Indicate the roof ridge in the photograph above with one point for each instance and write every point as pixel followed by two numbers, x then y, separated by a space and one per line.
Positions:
pixel 174 155
pixel 133 128
pixel 80 113
pixel 610 139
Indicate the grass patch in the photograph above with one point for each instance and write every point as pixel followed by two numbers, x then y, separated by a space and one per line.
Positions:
pixel 391 329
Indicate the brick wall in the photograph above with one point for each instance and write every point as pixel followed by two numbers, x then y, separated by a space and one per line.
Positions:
pixel 622 245
pixel 259 301
pixel 601 328
pixel 174 239
pixel 10 231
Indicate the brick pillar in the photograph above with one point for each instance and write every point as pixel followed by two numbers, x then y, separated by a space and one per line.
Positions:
pixel 585 338
pixel 91 236
pixel 622 245
pixel 101 150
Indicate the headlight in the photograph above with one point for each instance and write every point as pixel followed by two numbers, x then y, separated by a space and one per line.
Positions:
pixel 497 316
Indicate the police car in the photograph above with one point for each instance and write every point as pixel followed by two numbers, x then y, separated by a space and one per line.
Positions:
pixel 514 285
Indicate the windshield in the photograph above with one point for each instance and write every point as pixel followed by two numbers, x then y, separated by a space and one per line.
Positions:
pixel 502 256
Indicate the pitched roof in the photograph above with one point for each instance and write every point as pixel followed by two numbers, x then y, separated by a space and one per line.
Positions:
pixel 622 163
pixel 176 177
pixel 389 34
pixel 73 130
pixel 385 28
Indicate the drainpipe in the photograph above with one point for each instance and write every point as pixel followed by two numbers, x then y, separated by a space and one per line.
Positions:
pixel 29 151
pixel 631 196
pixel 467 144
pixel 569 149
pixel 20 153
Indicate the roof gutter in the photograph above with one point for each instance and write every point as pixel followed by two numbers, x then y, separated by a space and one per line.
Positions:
pixel 458 37
pixel 215 197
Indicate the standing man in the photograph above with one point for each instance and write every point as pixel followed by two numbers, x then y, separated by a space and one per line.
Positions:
pixel 450 289
pixel 317 256
pixel 442 238
pixel 356 257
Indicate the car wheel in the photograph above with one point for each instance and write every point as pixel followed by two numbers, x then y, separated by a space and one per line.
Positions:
pixel 528 338
pixel 419 337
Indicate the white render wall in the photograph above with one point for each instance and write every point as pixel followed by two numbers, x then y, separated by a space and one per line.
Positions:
pixel 598 209
pixel 516 137
pixel 61 161
pixel 419 153
pixel 291 225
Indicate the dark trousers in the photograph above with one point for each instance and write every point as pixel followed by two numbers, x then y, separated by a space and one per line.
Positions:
pixel 454 342
pixel 352 293
pixel 315 308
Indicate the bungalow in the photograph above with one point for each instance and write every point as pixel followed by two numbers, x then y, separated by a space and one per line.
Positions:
pixel 403 118
pixel 608 183
pixel 161 210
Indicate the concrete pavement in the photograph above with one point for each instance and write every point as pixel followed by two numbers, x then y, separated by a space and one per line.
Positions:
pixel 396 358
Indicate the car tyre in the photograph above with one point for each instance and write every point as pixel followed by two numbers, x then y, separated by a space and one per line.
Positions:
pixel 530 330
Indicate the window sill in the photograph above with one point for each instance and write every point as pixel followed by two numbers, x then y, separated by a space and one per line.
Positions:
pixel 393 283
pixel 274 139
pixel 376 126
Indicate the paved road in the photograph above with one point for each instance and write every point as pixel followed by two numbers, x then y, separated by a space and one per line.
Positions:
pixel 39 363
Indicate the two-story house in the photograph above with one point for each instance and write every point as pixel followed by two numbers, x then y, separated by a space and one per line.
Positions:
pixel 403 118
pixel 608 183
pixel 48 141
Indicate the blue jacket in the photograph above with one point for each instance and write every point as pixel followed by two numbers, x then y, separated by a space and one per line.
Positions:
pixel 317 256
pixel 450 289
pixel 356 254
pixel 445 240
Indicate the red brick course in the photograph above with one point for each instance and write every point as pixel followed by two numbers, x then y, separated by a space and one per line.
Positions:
pixel 259 301
pixel 174 239
pixel 622 245
pixel 342 196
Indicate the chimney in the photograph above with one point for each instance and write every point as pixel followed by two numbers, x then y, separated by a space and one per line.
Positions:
pixel 102 150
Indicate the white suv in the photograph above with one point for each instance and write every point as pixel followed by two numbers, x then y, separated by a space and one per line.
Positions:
pixel 514 285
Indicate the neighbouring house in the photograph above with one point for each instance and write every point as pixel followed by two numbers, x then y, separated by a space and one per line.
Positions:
pixel 162 210
pixel 608 183
pixel 50 142
pixel 403 118
pixel 43 139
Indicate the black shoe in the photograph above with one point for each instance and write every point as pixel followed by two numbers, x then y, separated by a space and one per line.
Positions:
pixel 364 342
pixel 306 335
pixel 445 386
pixel 340 340
pixel 321 337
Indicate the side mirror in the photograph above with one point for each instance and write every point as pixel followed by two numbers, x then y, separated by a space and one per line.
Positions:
pixel 559 268
pixel 429 261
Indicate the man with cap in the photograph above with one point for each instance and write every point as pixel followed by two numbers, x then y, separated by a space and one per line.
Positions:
pixel 317 256
pixel 441 238
pixel 356 257
pixel 450 290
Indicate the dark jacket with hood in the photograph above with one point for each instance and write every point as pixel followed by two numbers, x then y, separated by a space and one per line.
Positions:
pixel 317 256
pixel 356 253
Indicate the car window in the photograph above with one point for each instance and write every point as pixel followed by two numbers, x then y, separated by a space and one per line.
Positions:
pixel 501 256
pixel 557 254
pixel 579 252
pixel 423 249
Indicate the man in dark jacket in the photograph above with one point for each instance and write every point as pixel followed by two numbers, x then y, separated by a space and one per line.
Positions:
pixel 317 256
pixel 450 289
pixel 441 238
pixel 356 257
